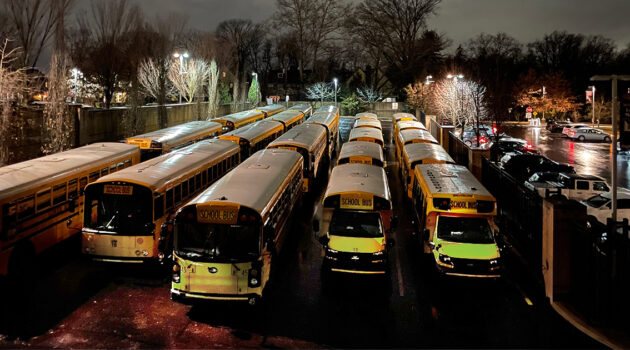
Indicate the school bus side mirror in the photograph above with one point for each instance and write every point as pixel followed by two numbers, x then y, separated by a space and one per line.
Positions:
pixel 315 225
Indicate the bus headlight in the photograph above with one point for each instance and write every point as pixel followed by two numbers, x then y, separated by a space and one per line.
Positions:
pixel 445 260
pixel 379 253
pixel 331 251
pixel 253 280
pixel 176 273
pixel 494 264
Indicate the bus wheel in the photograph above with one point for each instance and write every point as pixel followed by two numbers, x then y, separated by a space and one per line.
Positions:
pixel 22 263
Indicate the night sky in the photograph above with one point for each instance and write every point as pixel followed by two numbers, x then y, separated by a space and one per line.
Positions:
pixel 526 20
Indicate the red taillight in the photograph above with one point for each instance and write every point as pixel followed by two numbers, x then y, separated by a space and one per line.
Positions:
pixel 252 218
pixel 494 129
pixel 243 217
pixel 483 140
pixel 529 146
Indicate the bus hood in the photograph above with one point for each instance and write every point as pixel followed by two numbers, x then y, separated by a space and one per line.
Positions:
pixel 356 244
pixel 469 250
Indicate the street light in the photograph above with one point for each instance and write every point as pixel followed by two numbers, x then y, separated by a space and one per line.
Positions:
pixel 428 80
pixel 615 121
pixel 335 81
pixel 181 66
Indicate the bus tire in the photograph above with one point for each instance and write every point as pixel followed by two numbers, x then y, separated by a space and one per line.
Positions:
pixel 22 262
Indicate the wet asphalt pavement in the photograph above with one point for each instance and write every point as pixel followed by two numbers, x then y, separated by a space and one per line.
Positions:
pixel 77 303
pixel 592 158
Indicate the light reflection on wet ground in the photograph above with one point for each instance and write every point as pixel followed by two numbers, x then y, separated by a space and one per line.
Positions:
pixel 587 157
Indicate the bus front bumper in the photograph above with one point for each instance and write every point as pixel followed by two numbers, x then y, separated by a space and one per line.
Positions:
pixel 188 297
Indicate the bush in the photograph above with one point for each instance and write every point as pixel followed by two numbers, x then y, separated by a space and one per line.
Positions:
pixel 351 105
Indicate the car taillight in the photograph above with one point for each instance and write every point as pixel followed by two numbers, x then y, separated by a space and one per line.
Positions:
pixel 529 146
pixel 483 140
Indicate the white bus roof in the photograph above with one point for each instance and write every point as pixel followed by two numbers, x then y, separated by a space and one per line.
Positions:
pixel 28 175
pixel 275 108
pixel 327 109
pixel 415 134
pixel 304 108
pixel 253 131
pixel 175 134
pixel 362 148
pixel 239 116
pixel 303 135
pixel 451 179
pixel 368 123
pixel 366 132
pixel 399 116
pixel 165 169
pixel 254 182
pixel 325 119
pixel 358 178
pixel 286 116
pixel 419 151
pixel 367 115
pixel 409 124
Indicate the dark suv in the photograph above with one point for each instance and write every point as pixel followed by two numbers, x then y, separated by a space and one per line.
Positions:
pixel 556 125
pixel 522 166
pixel 506 145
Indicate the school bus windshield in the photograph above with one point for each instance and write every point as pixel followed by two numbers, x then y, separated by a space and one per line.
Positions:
pixel 464 230
pixel 217 242
pixel 120 214
pixel 356 224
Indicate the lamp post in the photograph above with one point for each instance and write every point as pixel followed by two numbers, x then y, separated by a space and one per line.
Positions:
pixel 615 121
pixel 593 104
pixel 181 66
pixel 428 80
pixel 335 81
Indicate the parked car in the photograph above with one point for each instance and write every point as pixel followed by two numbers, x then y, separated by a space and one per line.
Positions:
pixel 565 130
pixel 588 134
pixel 509 144
pixel 523 166
pixel 470 137
pixel 568 185
pixel 556 125
pixel 600 206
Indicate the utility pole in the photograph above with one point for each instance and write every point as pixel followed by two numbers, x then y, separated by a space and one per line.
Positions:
pixel 615 124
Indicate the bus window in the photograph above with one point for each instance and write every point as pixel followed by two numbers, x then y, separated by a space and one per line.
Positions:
pixel 112 168
pixel 158 207
pixel 121 165
pixel 219 168
pixel 72 189
pixel 82 183
pixel 169 199
pixel 127 163
pixel 204 177
pixel 178 194
pixel 185 189
pixel 43 200
pixel 93 176
pixel 59 193
pixel 194 183
pixel 9 219
pixel 104 171
pixel 215 171
pixel 26 208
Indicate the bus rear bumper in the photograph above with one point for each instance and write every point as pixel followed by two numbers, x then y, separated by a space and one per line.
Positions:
pixel 189 297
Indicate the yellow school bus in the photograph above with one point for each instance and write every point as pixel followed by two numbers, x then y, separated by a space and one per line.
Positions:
pixel 237 120
pixel 227 238
pixel 42 199
pixel 270 110
pixel 368 123
pixel 328 109
pixel 331 122
pixel 310 141
pixel 403 117
pixel 307 110
pixel 161 141
pixel 254 137
pixel 361 152
pixel 289 119
pixel 366 134
pixel 455 215
pixel 125 212
pixel 366 115
pixel 407 125
pixel 420 153
pixel 356 220
pixel 409 136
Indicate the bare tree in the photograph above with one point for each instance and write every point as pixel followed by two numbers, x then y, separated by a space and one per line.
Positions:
pixel 319 91
pixel 461 101
pixel 369 94
pixel 419 95
pixel 311 23
pixel 33 22
pixel 213 96
pixel 12 83
pixel 149 75
pixel 188 79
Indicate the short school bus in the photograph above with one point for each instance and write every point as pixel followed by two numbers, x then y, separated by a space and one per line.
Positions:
pixel 366 134
pixel 410 136
pixel 368 123
pixel 126 212
pixel 455 215
pixel 240 119
pixel 270 110
pixel 42 199
pixel 361 152
pixel 420 153
pixel 404 117
pixel 310 141
pixel 366 115
pixel 357 220
pixel 331 122
pixel 162 141
pixel 227 238
pixel 288 118
pixel 255 137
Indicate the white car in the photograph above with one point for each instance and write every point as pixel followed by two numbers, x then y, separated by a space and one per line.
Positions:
pixel 568 185
pixel 565 130
pixel 588 134
pixel 600 206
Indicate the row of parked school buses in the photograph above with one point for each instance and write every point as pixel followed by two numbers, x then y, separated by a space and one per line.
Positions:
pixel 453 213
pixel 122 201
